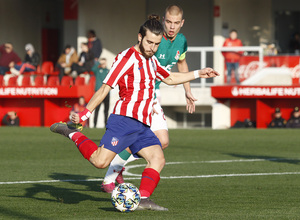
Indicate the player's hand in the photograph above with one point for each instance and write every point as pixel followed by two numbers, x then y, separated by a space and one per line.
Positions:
pixel 208 73
pixel 190 102
pixel 153 109
pixel 75 117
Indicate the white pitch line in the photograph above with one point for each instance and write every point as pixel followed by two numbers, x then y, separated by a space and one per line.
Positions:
pixel 126 172
pixel 138 176
pixel 163 177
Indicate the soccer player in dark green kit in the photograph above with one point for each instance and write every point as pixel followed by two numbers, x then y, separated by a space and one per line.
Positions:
pixel 171 51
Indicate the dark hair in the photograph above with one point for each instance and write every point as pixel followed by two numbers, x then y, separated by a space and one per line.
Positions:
pixel 233 30
pixel 153 25
pixel 92 32
pixel 68 46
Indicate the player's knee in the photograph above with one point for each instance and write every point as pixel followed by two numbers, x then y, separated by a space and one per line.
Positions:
pixel 100 164
pixel 164 143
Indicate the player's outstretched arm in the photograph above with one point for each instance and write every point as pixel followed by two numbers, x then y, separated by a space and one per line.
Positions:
pixel 179 78
pixel 96 100
pixel 190 99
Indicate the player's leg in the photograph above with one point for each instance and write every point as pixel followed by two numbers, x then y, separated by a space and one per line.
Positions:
pixel 159 125
pixel 163 136
pixel 114 172
pixel 100 157
pixel 148 146
pixel 151 176
pixel 84 144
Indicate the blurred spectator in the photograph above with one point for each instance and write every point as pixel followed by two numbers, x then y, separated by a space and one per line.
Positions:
pixel 247 123
pixel 31 61
pixel 8 58
pixel 278 121
pixel 65 61
pixel 94 44
pixel 294 44
pixel 79 107
pixel 294 121
pixel 100 70
pixel 232 58
pixel 11 119
pixel 85 62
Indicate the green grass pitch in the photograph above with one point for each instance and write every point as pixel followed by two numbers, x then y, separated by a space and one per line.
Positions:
pixel 210 174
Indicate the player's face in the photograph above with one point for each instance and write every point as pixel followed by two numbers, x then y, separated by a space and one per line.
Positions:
pixel 172 25
pixel 149 44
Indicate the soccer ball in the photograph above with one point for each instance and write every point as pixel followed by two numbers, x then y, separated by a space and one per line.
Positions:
pixel 126 197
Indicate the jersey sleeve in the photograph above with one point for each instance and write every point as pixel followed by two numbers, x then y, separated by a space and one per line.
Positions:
pixel 119 68
pixel 183 54
pixel 161 72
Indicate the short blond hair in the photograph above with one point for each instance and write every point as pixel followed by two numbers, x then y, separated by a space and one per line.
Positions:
pixel 174 10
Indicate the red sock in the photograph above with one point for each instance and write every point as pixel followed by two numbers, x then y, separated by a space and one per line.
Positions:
pixel 150 179
pixel 84 145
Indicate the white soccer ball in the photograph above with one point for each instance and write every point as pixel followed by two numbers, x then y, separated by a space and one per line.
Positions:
pixel 125 197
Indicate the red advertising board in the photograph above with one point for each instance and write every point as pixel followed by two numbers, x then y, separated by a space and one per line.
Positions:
pixel 262 92
pixel 258 103
pixel 249 65
pixel 41 106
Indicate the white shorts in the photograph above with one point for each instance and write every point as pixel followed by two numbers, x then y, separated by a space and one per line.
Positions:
pixel 159 121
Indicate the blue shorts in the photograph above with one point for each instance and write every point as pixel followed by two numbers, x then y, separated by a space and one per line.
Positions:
pixel 122 132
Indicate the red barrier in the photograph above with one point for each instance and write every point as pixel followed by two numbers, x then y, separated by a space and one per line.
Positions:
pixel 42 106
pixel 258 103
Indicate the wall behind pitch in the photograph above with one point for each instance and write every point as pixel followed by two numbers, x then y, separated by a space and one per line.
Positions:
pixel 251 18
pixel 116 22
pixel 21 22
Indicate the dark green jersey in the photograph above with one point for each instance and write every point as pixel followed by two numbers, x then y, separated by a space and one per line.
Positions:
pixel 169 52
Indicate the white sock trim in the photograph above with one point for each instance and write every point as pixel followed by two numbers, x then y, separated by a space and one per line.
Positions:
pixel 71 135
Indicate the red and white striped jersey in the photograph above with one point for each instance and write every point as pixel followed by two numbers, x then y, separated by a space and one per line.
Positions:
pixel 135 75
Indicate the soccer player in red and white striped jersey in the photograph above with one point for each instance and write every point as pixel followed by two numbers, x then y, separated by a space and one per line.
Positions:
pixel 135 74
pixel 128 127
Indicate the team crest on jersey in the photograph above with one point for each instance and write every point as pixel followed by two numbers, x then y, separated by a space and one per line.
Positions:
pixel 161 56
pixel 114 141
pixel 177 55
